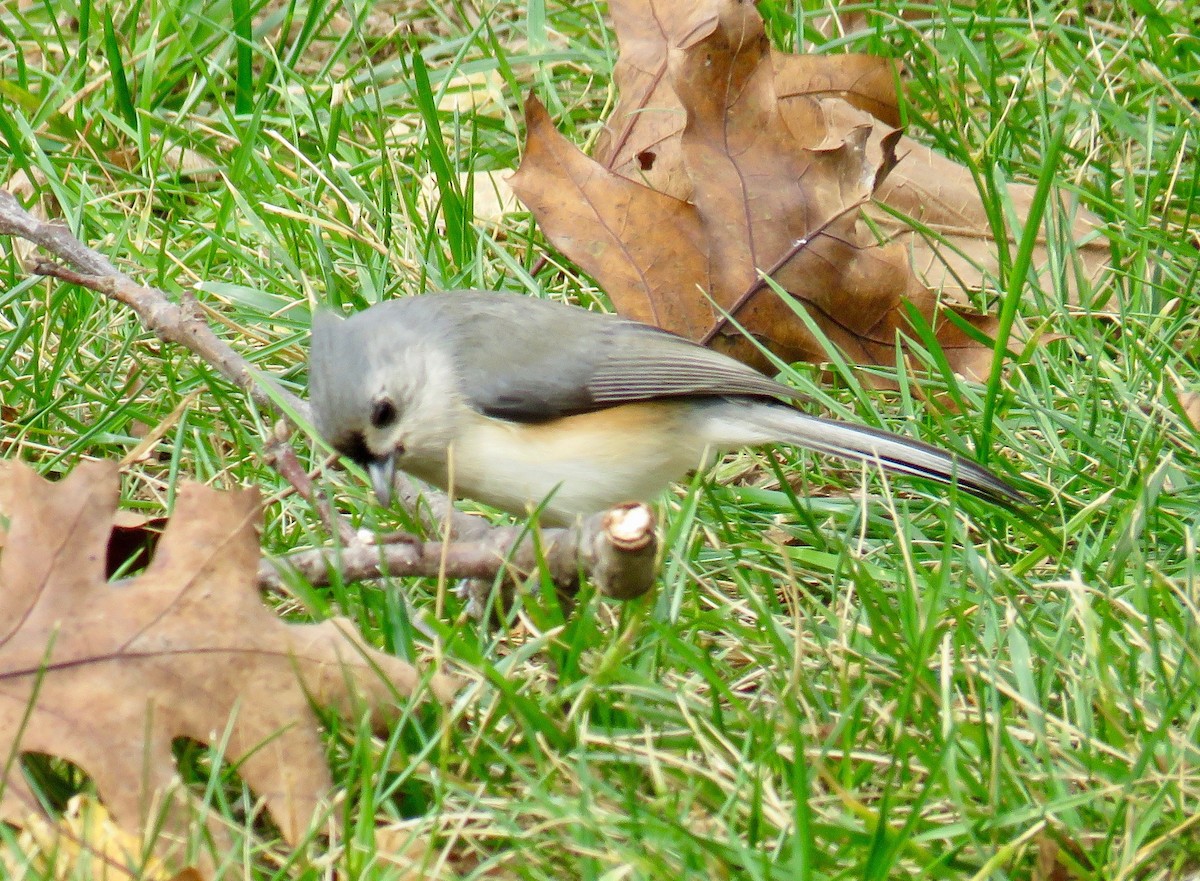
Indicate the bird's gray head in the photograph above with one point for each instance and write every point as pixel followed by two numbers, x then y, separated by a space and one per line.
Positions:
pixel 378 386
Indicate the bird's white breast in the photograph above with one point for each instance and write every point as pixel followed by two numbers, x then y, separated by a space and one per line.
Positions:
pixel 577 465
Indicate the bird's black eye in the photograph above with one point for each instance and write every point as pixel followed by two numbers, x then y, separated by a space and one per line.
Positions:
pixel 383 413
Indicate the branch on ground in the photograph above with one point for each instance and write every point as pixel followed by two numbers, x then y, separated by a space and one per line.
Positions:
pixel 617 548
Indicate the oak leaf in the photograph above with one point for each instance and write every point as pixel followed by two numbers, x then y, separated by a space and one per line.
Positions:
pixel 106 675
pixel 724 159
pixel 957 255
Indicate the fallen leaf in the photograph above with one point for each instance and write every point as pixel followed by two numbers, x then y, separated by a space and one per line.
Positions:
pixel 1051 864
pixel 481 92
pixel 85 842
pixel 956 256
pixel 1190 403
pixel 640 140
pixel 107 675
pixel 867 82
pixel 725 159
pixel 952 246
pixel 491 195
pixel 636 241
pixel 776 186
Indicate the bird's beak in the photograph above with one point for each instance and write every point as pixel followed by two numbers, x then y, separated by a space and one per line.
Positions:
pixel 383 473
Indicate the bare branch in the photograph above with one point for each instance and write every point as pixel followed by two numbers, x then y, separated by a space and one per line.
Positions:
pixel 54 237
pixel 174 323
pixel 617 548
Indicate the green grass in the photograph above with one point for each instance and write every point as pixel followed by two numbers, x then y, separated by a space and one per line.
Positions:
pixel 826 684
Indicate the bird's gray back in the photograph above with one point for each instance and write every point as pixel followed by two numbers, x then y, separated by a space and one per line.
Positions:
pixel 531 360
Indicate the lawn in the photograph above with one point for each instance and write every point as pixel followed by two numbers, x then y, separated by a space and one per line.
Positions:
pixel 837 676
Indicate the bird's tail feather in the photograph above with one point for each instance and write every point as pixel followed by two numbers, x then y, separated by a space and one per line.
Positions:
pixel 782 424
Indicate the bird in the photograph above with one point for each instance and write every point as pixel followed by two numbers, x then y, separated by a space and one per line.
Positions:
pixel 524 403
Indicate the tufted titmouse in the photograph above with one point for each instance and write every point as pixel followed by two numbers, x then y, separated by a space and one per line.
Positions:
pixel 515 401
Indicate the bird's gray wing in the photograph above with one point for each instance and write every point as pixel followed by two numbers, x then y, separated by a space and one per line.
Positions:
pixel 644 362
pixel 530 360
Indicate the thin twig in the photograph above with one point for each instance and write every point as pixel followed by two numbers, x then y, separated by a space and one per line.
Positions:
pixel 282 457
pixel 171 323
pixel 617 547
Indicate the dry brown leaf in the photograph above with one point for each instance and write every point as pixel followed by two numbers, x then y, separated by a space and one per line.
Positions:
pixel 84 843
pixel 1190 402
pixel 722 155
pixel 183 161
pixel 635 240
pixel 107 675
pixel 776 186
pixel 1051 865
pixel 491 196
pixel 641 138
pixel 959 254
pixel 867 82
